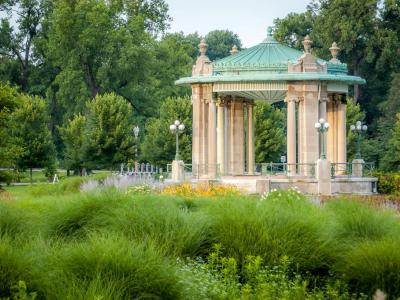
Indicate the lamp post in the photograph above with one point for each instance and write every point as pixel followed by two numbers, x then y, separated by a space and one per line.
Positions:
pixel 177 128
pixel 322 127
pixel 358 129
pixel 136 131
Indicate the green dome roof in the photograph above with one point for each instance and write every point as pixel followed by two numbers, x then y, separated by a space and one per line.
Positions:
pixel 269 56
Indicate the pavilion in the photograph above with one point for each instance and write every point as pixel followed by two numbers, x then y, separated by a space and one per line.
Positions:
pixel 223 94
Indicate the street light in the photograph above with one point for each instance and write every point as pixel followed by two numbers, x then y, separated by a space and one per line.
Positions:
pixel 322 127
pixel 177 128
pixel 358 129
pixel 136 131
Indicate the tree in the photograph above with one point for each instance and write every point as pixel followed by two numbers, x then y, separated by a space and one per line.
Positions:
pixel 391 160
pixel 292 29
pixel 158 146
pixel 220 43
pixel 353 115
pixel 105 47
pixel 108 133
pixel 10 148
pixel 174 58
pixel 269 132
pixel 18 43
pixel 73 136
pixel 30 128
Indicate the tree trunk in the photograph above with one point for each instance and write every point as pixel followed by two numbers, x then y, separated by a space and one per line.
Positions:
pixel 30 173
pixel 91 81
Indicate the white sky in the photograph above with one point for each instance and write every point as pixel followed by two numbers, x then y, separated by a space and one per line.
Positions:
pixel 248 18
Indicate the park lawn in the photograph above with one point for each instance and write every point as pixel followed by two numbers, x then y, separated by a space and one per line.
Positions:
pixel 104 244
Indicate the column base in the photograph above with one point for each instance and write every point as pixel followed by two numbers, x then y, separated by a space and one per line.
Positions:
pixel 178 171
pixel 324 177
pixel 357 167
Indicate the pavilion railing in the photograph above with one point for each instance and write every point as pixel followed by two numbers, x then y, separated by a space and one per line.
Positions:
pixel 368 169
pixel 346 169
pixel 274 169
pixel 198 171
pixel 341 169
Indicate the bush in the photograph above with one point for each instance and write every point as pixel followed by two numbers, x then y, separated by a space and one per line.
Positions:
pixel 389 183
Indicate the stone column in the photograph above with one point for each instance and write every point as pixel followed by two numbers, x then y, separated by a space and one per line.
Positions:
pixel 212 138
pixel 250 139
pixel 221 135
pixel 309 115
pixel 238 137
pixel 207 98
pixel 196 142
pixel 331 135
pixel 291 135
pixel 232 136
pixel 341 132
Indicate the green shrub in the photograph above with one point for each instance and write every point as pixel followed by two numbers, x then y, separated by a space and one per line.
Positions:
pixel 373 265
pixel 6 177
pixel 388 183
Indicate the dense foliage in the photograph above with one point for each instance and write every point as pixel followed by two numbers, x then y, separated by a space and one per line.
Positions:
pixel 69 52
pixel 113 245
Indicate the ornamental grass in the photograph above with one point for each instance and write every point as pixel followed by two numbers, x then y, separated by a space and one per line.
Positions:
pixel 117 245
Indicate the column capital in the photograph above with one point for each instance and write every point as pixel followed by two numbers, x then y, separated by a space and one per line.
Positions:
pixel 220 101
pixel 288 100
pixel 323 99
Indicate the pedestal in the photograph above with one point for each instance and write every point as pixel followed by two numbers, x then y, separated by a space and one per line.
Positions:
pixel 357 167
pixel 324 177
pixel 178 170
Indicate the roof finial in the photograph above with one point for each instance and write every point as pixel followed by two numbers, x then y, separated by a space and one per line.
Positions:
pixel 203 47
pixel 307 44
pixel 269 31
pixel 234 50
pixel 334 51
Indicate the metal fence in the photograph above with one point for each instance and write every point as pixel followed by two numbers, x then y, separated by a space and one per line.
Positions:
pixel 346 169
pixel 275 169
pixel 197 171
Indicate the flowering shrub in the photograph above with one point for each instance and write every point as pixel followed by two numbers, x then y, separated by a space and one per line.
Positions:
pixel 276 195
pixel 201 190
pixel 141 189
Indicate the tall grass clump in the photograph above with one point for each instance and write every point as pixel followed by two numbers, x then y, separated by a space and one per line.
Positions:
pixel 162 220
pixel 353 222
pixel 107 267
pixel 15 265
pixel 13 221
pixel 373 265
pixel 272 229
pixel 76 216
